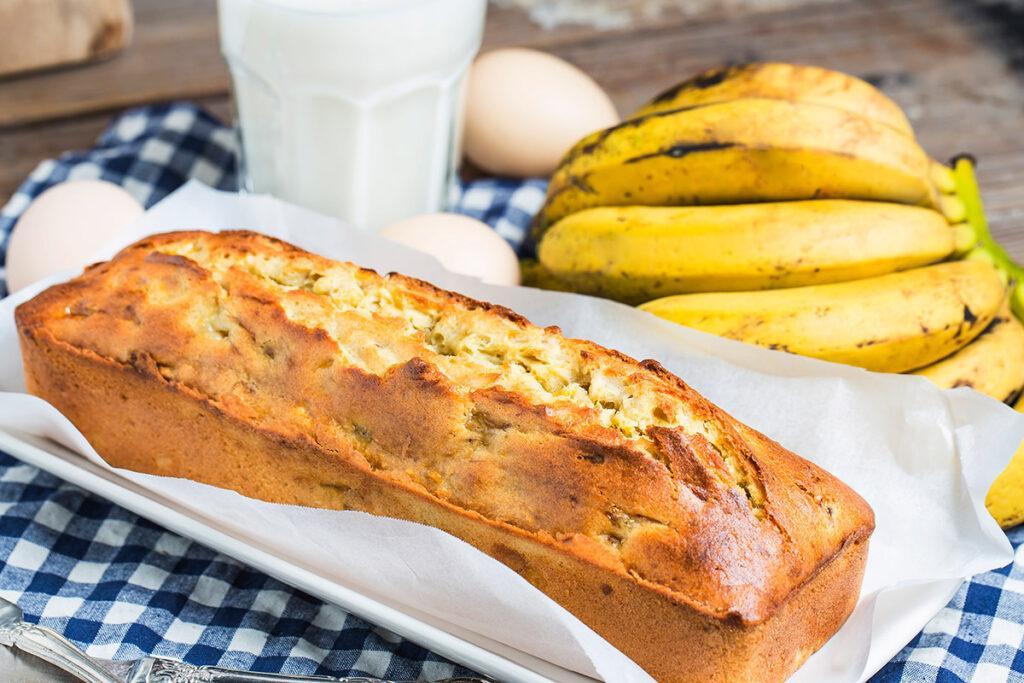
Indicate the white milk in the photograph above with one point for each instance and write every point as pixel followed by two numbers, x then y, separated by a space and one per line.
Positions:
pixel 351 107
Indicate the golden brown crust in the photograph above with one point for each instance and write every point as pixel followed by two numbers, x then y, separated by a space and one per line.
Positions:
pixel 592 475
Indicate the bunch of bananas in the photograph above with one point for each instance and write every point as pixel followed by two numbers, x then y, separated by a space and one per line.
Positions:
pixel 792 207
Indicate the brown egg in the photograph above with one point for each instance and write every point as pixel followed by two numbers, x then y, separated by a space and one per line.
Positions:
pixel 525 109
pixel 64 226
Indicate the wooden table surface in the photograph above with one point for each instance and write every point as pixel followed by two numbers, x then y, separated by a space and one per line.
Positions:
pixel 957 69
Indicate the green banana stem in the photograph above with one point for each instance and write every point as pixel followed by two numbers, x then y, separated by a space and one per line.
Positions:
pixel 987 247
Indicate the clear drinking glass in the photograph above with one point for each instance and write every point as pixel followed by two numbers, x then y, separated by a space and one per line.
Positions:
pixel 350 107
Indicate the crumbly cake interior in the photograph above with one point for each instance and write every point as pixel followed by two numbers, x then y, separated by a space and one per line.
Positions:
pixel 475 353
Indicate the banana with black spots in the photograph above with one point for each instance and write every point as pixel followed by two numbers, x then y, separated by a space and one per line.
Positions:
pixel 890 323
pixel 742 151
pixel 992 364
pixel 776 80
pixel 638 253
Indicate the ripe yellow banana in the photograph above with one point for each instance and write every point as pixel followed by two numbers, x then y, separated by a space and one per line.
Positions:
pixel 751 150
pixel 992 364
pixel 638 253
pixel 890 323
pixel 793 82
pixel 1005 498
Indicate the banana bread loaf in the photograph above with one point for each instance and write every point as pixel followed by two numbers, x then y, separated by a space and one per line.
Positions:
pixel 699 547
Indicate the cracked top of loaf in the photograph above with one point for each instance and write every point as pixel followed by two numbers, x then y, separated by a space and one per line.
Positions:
pixel 617 462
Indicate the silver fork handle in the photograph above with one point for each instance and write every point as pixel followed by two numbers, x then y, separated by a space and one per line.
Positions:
pixel 54 648
pixel 159 670
pixel 49 645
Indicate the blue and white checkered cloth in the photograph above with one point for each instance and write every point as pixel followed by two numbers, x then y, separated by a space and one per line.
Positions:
pixel 122 587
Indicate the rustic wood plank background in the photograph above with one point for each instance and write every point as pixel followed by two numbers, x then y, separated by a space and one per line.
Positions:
pixel 956 67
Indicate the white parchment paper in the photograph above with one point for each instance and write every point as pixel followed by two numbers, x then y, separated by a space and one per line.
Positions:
pixel 923 458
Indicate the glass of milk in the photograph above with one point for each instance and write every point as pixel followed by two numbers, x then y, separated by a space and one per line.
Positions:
pixel 351 107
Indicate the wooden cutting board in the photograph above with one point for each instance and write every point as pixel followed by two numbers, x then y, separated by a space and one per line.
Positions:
pixel 39 34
